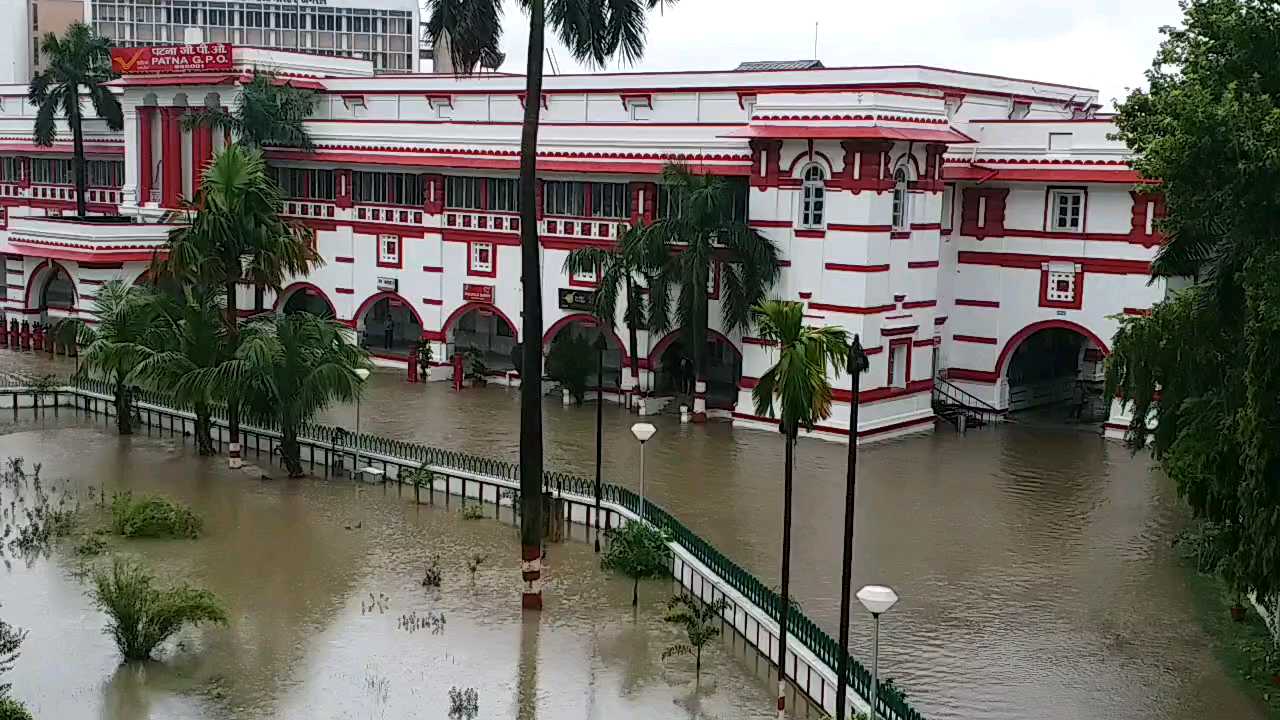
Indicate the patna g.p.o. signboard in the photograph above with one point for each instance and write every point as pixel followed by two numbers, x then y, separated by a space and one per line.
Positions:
pixel 208 57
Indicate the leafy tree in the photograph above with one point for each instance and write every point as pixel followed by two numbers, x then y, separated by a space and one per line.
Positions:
pixel 268 112
pixel 799 383
pixel 699 232
pixel 617 269
pixel 593 32
pixel 190 342
pixel 1202 365
pixel 236 234
pixel 10 641
pixel 701 623
pixel 141 615
pixel 11 709
pixel 639 551
pixel 571 362
pixel 119 343
pixel 79 63
pixel 290 367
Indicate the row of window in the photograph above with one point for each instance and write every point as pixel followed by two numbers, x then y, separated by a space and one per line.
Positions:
pixel 813 199
pixel 217 14
pixel 306 183
pixel 52 171
pixel 388 188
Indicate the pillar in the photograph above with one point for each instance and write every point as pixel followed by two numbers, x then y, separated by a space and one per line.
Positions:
pixel 201 154
pixel 145 181
pixel 171 156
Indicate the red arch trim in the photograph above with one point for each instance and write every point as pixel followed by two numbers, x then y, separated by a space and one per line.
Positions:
pixel 802 160
pixel 34 279
pixel 589 321
pixel 656 353
pixel 386 294
pixel 468 307
pixel 283 297
pixel 1033 328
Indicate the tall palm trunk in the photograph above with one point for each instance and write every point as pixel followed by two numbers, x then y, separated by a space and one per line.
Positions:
pixel 204 429
pixel 77 155
pixel 531 331
pixel 785 610
pixel 124 414
pixel 291 451
pixel 633 339
pixel 233 400
pixel 701 316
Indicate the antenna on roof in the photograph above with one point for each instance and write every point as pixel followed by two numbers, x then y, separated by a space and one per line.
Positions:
pixel 815 40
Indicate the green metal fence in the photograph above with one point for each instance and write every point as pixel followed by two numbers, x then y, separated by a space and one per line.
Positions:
pixel 799 626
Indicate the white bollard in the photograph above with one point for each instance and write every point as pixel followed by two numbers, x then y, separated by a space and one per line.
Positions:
pixel 564 396
pixel 684 414
pixel 640 406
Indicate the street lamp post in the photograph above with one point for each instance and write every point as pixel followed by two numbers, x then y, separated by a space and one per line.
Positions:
pixel 642 431
pixel 877 599
pixel 858 364
pixel 363 374
pixel 600 347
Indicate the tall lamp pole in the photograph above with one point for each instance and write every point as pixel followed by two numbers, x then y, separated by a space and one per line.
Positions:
pixel 877 599
pixel 642 431
pixel 858 364
pixel 363 374
pixel 600 346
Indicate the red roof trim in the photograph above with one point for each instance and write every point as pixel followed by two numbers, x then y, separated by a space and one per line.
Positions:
pixel 872 132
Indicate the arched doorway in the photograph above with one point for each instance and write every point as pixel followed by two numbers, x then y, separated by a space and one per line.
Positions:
pixel 483 330
pixel 1056 364
pixel 387 325
pixel 304 297
pixel 52 292
pixel 587 328
pixel 724 368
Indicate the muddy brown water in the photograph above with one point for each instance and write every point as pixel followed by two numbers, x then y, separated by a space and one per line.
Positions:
pixel 1034 564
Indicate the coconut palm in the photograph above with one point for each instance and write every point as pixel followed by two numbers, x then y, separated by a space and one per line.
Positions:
pixel 290 367
pixel 799 384
pixel 120 341
pixel 79 64
pixel 700 230
pixel 593 32
pixel 617 269
pixel 190 340
pixel 268 111
pixel 236 234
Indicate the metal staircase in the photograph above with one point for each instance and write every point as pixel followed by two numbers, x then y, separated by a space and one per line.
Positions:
pixel 960 408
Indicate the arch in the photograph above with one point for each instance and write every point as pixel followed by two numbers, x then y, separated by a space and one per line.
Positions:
pixel 465 308
pixel 590 321
pixel 41 276
pixel 1003 361
pixel 664 343
pixel 382 295
pixel 799 161
pixel 813 196
pixel 282 298
pixel 909 162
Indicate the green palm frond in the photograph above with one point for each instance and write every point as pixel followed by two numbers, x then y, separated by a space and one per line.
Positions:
pixel 268 112
pixel 798 381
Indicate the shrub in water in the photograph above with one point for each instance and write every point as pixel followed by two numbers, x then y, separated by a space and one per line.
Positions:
pixel 142 615
pixel 152 517
pixel 637 550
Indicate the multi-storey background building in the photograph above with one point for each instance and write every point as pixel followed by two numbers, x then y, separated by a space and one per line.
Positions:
pixel 980 233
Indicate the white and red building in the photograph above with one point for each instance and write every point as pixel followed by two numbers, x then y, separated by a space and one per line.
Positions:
pixel 948 218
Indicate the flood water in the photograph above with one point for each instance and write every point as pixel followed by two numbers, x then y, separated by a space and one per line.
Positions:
pixel 315 576
pixel 1034 564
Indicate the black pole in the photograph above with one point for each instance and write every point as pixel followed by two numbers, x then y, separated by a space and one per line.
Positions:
pixel 857 365
pixel 600 346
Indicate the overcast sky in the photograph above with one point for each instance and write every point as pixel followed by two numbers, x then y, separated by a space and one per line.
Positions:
pixel 1102 44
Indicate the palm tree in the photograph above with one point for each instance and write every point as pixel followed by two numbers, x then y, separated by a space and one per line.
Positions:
pixel 120 342
pixel 616 270
pixel 79 63
pixel 236 234
pixel 799 382
pixel 290 367
pixel 700 229
pixel 191 344
pixel 593 32
pixel 268 112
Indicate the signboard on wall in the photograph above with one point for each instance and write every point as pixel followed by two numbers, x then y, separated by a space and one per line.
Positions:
pixel 477 293
pixel 574 299
pixel 389 284
pixel 207 57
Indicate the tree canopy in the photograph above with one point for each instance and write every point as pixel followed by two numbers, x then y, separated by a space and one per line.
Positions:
pixel 1200 366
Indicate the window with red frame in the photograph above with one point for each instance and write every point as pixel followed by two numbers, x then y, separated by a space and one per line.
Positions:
pixel 481 257
pixel 389 250
pixel 899 363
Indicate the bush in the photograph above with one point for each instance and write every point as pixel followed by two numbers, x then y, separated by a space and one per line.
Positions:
pixel 152 517
pixel 143 616
pixel 571 362
pixel 474 511
pixel 639 551
pixel 11 709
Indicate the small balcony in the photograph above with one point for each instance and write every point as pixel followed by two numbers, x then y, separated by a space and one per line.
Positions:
pixel 483 220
